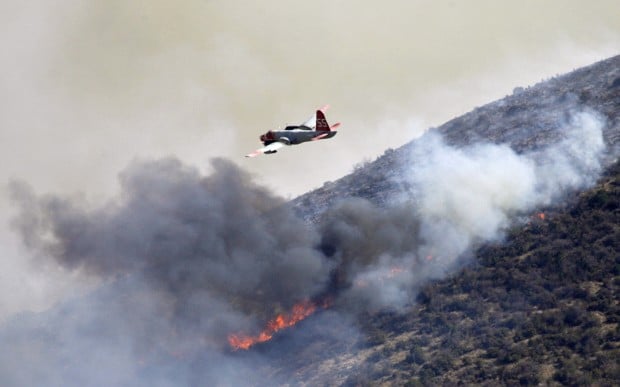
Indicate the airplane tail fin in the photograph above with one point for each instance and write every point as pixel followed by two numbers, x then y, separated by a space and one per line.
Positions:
pixel 321 122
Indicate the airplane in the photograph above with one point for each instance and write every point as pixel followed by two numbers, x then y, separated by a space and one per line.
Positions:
pixel 315 128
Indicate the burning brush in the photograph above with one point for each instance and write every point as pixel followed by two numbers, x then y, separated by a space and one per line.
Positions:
pixel 299 312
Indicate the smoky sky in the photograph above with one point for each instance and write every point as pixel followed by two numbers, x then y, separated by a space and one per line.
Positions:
pixel 102 82
pixel 185 258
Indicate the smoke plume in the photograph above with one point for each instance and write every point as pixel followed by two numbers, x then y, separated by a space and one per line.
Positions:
pixel 460 198
pixel 187 259
pixel 186 233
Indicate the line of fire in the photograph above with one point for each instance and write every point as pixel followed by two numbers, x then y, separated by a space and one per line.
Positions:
pixel 299 312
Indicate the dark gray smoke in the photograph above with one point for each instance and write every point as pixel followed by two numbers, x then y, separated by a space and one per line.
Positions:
pixel 221 234
pixel 187 259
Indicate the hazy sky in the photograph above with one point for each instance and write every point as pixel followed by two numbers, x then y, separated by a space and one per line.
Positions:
pixel 88 86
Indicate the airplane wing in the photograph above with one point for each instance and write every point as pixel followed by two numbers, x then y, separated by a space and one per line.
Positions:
pixel 271 148
pixel 311 122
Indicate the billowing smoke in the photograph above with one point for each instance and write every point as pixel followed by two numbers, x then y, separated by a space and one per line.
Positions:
pixel 187 259
pixel 186 234
pixel 460 198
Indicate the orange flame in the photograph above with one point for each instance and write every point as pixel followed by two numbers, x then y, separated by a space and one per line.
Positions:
pixel 300 311
pixel 541 215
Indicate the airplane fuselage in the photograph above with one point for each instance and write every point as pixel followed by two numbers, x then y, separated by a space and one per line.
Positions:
pixel 294 135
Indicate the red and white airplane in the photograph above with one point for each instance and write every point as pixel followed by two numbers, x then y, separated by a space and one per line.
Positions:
pixel 316 128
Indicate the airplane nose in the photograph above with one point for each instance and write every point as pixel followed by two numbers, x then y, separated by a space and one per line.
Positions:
pixel 267 136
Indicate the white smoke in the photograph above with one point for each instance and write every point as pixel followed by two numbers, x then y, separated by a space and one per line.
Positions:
pixel 574 162
pixel 466 196
pixel 469 194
